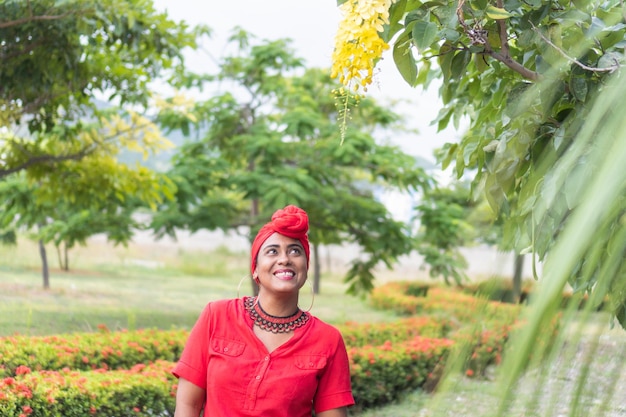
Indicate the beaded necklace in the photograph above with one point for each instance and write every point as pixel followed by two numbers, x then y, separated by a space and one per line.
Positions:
pixel 271 323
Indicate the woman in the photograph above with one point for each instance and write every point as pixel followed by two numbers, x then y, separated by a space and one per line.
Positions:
pixel 263 356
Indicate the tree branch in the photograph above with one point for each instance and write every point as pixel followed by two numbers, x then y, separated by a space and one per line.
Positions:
pixel 478 36
pixel 25 50
pixel 44 159
pixel 11 23
pixel 512 64
pixel 612 68
pixel 74 156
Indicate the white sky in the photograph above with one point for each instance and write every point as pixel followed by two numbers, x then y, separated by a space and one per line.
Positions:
pixel 311 25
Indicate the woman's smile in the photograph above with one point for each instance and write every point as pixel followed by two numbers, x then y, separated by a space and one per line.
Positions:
pixel 285 274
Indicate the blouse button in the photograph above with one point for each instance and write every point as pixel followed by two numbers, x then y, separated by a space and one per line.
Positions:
pixel 267 358
pixel 258 377
pixel 225 349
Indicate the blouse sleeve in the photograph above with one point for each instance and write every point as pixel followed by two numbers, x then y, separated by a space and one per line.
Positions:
pixel 193 362
pixel 334 389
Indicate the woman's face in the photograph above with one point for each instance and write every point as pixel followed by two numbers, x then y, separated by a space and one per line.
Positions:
pixel 281 264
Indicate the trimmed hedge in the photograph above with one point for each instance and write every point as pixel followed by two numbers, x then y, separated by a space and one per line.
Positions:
pixel 86 351
pixel 480 327
pixel 128 373
pixel 144 390
pixel 381 373
pixel 361 334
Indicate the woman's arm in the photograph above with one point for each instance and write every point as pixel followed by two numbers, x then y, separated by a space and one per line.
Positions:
pixel 335 412
pixel 189 399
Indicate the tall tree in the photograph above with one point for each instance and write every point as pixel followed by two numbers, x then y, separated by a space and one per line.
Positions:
pixel 59 57
pixel 270 139
pixel 524 74
pixel 77 199
pixel 443 229
pixel 60 61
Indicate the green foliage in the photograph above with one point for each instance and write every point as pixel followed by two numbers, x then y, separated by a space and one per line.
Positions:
pixel 271 140
pixel 61 174
pixel 525 75
pixel 442 216
pixel 57 56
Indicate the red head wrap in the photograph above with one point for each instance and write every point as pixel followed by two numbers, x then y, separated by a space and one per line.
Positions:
pixel 292 222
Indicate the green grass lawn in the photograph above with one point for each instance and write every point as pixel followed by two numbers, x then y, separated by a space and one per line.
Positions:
pixel 117 290
pixel 154 287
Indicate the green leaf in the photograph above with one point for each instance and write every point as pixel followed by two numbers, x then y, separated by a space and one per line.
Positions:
pixel 403 58
pixel 459 63
pixel 396 13
pixel 422 74
pixel 497 13
pixel 578 87
pixel 424 34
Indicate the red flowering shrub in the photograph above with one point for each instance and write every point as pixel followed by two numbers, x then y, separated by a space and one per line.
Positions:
pixel 128 373
pixel 85 351
pixel 381 373
pixel 144 390
pixel 480 327
pixel 360 334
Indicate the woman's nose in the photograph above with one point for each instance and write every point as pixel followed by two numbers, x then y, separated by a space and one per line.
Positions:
pixel 283 258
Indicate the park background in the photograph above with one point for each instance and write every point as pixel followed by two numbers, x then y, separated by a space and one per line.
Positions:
pixel 145 255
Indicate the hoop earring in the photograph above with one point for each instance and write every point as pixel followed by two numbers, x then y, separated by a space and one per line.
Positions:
pixel 312 296
pixel 240 282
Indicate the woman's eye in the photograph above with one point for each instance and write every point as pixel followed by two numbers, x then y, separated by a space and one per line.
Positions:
pixel 295 251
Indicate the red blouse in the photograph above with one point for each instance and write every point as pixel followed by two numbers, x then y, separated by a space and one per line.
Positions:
pixel 222 355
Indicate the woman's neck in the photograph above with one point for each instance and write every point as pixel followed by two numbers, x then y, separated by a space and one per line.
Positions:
pixel 278 306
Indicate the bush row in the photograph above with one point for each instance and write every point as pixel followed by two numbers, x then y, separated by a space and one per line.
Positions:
pixel 86 351
pixel 143 390
pixel 479 327
pixel 103 374
pixel 501 289
pixel 379 373
pixel 123 350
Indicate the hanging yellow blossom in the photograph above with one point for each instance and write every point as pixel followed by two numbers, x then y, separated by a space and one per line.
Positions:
pixel 358 45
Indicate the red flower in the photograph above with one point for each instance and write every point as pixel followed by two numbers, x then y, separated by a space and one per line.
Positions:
pixel 22 370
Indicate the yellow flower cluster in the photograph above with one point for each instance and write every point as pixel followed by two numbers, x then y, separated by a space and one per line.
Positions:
pixel 357 44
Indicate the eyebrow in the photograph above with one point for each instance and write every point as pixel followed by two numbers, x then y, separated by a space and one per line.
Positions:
pixel 291 245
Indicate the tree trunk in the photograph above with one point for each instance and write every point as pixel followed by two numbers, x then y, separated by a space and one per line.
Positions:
pixel 316 270
pixel 517 278
pixel 255 215
pixel 329 262
pixel 59 257
pixel 44 265
pixel 62 255
pixel 66 266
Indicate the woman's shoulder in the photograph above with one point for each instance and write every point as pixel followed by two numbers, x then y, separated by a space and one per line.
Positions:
pixel 224 306
pixel 327 329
